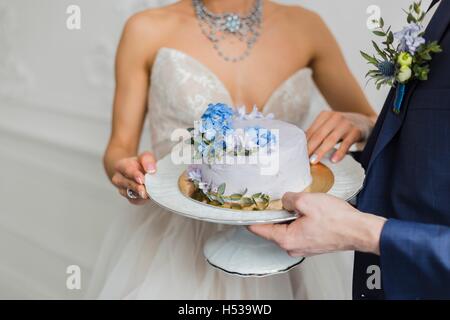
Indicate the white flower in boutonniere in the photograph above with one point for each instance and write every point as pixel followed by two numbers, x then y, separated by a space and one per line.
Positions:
pixel 408 60
pixel 404 74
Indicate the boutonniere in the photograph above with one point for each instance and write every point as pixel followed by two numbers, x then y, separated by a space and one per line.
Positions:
pixel 403 56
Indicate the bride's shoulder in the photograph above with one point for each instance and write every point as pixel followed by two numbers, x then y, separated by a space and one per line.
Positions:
pixel 159 19
pixel 168 16
pixel 143 30
pixel 297 15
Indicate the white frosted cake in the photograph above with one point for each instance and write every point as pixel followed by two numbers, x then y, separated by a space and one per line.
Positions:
pixel 248 159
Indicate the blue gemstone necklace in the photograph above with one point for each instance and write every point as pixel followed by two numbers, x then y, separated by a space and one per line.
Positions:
pixel 218 27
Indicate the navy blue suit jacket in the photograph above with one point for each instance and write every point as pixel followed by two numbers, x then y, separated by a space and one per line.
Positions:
pixel 407 162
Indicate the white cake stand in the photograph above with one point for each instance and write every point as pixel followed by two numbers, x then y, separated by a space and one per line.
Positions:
pixel 236 250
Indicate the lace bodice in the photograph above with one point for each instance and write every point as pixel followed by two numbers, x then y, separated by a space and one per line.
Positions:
pixel 181 88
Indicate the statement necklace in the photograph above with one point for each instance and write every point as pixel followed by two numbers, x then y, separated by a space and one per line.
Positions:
pixel 221 27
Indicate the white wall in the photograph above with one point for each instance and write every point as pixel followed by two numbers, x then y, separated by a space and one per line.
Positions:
pixel 55 98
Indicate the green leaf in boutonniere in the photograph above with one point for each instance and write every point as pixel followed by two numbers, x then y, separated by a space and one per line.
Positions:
pixel 370 59
pixel 390 38
pixel 379 33
pixel 380 52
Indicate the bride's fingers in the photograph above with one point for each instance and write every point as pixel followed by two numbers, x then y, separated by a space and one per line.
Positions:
pixel 132 201
pixel 324 131
pixel 121 182
pixel 320 120
pixel 148 162
pixel 131 170
pixel 349 140
pixel 330 142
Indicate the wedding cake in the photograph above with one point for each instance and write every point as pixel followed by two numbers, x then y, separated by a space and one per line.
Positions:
pixel 247 160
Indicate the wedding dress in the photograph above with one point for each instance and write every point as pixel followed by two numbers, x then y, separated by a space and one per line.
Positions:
pixel 154 254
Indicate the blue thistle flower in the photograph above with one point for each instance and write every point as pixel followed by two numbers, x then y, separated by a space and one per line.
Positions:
pixel 387 69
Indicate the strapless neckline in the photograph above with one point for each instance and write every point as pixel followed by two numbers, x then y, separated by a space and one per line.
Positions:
pixel 306 71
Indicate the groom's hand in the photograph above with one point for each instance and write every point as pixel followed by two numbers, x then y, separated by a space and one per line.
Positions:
pixel 326 224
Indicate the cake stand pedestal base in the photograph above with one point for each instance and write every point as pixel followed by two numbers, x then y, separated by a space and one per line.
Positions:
pixel 239 252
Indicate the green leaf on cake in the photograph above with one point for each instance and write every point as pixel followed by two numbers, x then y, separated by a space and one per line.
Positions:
pixel 236 197
pixel 246 202
pixel 221 189
pixel 220 200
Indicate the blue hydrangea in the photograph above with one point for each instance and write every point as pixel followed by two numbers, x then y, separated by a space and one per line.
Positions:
pixel 216 121
pixel 208 129
pixel 218 115
pixel 217 135
pixel 260 137
pixel 410 38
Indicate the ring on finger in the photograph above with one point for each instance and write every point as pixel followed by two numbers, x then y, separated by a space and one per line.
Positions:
pixel 132 194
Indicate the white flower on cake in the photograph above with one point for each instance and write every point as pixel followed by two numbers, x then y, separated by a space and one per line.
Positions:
pixel 242 114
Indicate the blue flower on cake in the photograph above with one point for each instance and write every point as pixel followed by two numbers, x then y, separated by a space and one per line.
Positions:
pixel 219 115
pixel 260 137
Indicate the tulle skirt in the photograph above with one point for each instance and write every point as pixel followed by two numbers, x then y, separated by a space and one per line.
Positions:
pixel 155 254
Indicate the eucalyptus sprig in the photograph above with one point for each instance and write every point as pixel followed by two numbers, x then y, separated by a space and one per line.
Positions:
pixel 384 71
pixel 415 14
pixel 240 201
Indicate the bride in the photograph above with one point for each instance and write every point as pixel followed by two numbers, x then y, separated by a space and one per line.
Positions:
pixel 170 65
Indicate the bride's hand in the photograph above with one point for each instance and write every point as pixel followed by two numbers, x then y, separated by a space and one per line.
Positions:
pixel 331 128
pixel 129 175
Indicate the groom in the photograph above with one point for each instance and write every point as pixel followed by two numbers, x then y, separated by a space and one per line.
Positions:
pixel 401 227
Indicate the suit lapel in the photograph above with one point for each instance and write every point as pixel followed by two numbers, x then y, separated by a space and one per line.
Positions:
pixel 392 122
pixel 439 23
pixel 368 150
